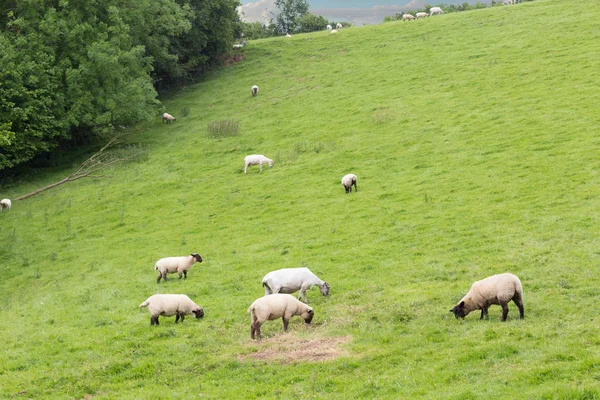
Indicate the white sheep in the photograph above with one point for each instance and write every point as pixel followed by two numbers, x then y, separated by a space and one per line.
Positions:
pixel 5 204
pixel 168 118
pixel 407 17
pixel 254 90
pixel 338 26
pixel 275 306
pixel 496 289
pixel 333 31
pixel 329 27
pixel 171 304
pixel 256 159
pixel 289 280
pixel 421 15
pixel 287 35
pixel 181 265
pixel 348 181
pixel 435 10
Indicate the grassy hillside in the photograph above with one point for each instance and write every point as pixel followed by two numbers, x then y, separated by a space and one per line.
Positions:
pixel 474 137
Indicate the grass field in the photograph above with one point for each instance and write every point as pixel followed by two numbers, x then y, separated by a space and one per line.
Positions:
pixel 475 140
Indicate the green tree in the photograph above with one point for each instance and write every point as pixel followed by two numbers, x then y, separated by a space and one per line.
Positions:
pixel 288 12
pixel 311 23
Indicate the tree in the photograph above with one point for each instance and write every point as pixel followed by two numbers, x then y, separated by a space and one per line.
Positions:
pixel 287 15
pixel 311 23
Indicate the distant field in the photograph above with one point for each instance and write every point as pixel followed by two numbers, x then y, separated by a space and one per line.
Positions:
pixel 475 140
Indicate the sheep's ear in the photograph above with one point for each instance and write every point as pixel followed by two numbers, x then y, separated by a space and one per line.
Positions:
pixel 462 304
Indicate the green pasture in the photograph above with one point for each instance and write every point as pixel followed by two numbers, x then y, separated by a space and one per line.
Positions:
pixel 475 137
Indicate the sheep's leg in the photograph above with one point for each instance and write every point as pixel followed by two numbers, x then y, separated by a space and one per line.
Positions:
pixel 184 274
pixel 177 318
pixel 285 323
pixel 519 302
pixel 504 311
pixel 159 276
pixel 182 315
pixel 165 276
pixel 245 169
pixel 260 167
pixel 154 321
pixel 180 274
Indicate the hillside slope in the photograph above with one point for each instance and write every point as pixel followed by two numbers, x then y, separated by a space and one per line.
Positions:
pixel 474 138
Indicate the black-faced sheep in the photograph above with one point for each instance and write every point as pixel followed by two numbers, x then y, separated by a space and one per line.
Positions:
pixel 171 304
pixel 275 306
pixel 338 26
pixel 181 265
pixel 168 118
pixel 496 289
pixel 254 90
pixel 256 159
pixel 348 181
pixel 290 280
pixel 5 204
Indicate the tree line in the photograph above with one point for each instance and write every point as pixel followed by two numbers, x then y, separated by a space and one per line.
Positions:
pixel 73 70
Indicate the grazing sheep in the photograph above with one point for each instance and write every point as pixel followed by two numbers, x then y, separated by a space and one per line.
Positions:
pixel 181 265
pixel 333 31
pixel 435 10
pixel 289 280
pixel 338 26
pixel 171 304
pixel 407 17
pixel 240 45
pixel 256 159
pixel 5 204
pixel 348 181
pixel 168 118
pixel 421 15
pixel 275 306
pixel 329 27
pixel 254 90
pixel 496 289
pixel 288 35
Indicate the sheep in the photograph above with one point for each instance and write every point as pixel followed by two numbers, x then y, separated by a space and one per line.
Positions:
pixel 5 204
pixel 507 2
pixel 329 27
pixel 333 31
pixel 435 10
pixel 171 304
pixel 496 289
pixel 168 118
pixel 289 280
pixel 348 181
pixel 338 26
pixel 256 159
pixel 407 17
pixel 274 306
pixel 421 15
pixel 287 35
pixel 181 265
pixel 254 90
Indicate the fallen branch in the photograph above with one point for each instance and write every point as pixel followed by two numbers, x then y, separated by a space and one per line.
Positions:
pixel 99 160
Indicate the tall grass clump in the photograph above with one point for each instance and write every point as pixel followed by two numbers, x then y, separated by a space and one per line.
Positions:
pixel 224 128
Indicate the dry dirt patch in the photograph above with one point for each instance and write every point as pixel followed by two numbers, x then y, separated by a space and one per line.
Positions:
pixel 288 349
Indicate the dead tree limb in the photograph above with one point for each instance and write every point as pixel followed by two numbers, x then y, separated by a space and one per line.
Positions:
pixel 88 169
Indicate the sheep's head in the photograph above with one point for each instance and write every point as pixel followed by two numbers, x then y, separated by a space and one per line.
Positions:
pixel 308 315
pixel 197 257
pixel 324 289
pixel 199 312
pixel 271 162
pixel 459 310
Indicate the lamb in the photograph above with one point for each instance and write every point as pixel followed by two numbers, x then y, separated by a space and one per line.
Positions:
pixel 276 306
pixel 338 26
pixel 289 280
pixel 181 265
pixel 254 90
pixel 496 289
pixel 171 304
pixel 5 204
pixel 329 27
pixel 407 17
pixel 348 181
pixel 256 159
pixel 421 15
pixel 435 10
pixel 168 118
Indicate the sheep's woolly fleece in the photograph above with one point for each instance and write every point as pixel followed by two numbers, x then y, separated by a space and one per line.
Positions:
pixel 288 349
